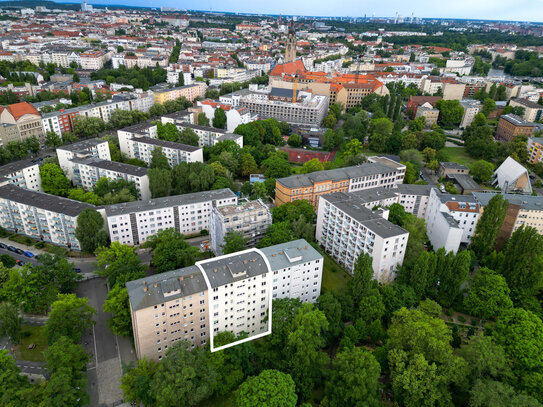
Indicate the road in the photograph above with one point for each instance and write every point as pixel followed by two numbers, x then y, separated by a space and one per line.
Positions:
pixel 104 371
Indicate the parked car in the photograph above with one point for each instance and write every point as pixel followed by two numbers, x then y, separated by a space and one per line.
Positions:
pixel 19 262
pixel 19 251
pixel 3 246
pixel 29 254
pixel 12 248
pixel 77 270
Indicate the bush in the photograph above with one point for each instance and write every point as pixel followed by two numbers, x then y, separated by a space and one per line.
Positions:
pixel 39 245
pixel 461 319
pixel 448 312
pixel 204 232
pixel 25 334
pixel 475 322
pixel 4 232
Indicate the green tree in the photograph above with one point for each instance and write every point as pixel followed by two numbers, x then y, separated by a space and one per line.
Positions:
pixel 170 250
pixel 188 136
pixel 489 105
pixel 291 211
pixel 312 165
pixel 70 316
pixel 219 118
pixel 159 160
pixel 184 378
pixel 488 227
pixel 247 165
pixel 233 242
pixel 7 260
pixel 354 379
pixel 329 121
pixel 119 263
pixel 451 111
pixel 63 353
pixel 202 119
pixel 275 234
pixel 522 264
pixel 157 110
pixel 295 140
pixel 485 359
pixel 90 230
pixel 53 180
pixel 10 322
pixel 488 294
pixel 271 388
pixel 160 181
pixel 276 167
pixel 118 306
pixel 482 171
pixel 136 383
pixel 52 139
pixel 331 306
pixel 491 393
pixel 86 127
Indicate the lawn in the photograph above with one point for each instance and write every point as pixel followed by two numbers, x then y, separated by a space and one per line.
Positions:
pixel 458 155
pixel 334 277
pixel 37 337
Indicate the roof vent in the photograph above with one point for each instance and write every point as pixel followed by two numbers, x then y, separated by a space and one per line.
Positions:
pixel 181 278
pixel 144 288
pixel 156 285
pixel 215 270
pixel 306 247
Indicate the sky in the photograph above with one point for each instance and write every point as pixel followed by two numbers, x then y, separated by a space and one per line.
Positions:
pixel 518 10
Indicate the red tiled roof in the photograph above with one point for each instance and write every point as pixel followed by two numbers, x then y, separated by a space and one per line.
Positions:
pixel 290 68
pixel 18 110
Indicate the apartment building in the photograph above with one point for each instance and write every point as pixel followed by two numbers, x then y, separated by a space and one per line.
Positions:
pixel 94 147
pixel 207 136
pixel 471 109
pixel 511 126
pixel 166 308
pixel 415 102
pixel 87 171
pixel 346 228
pixel 41 216
pixel 296 269
pixel 451 219
pixel 524 210
pixel 429 113
pixel 250 218
pixel 414 198
pixel 349 179
pixel 140 140
pixel 26 119
pixel 92 60
pixel 305 109
pixel 132 223
pixel 190 92
pixel 24 174
pixel 535 150
pixel 532 111
pixel 231 293
pixel 234 116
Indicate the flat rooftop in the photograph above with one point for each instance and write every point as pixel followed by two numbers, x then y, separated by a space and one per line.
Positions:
pixel 159 288
pixel 234 267
pixel 168 201
pixel 15 166
pixel 82 145
pixel 526 202
pixel 243 208
pixel 290 254
pixel 112 166
pixel 166 144
pixel 44 201
pixel 355 208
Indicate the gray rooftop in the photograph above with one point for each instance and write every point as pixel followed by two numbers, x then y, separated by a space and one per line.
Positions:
pixel 515 120
pixel 527 202
pixel 465 181
pixel 362 170
pixel 234 267
pixel 413 189
pixel 166 202
pixel 374 194
pixel 43 201
pixel 166 144
pixel 203 128
pixel 453 166
pixel 178 115
pixel 138 128
pixel 353 207
pixel 82 145
pixel 290 254
pixel 112 166
pixel 16 166
pixel 175 284
pixel 528 103
pixel 538 140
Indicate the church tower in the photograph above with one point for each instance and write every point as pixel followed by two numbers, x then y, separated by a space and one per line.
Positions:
pixel 290 52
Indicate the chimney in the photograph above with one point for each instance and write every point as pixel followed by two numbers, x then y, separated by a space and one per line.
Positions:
pixel 244 261
pixel 144 288
pixel 215 270
pixel 156 285
pixel 306 247
pixel 181 278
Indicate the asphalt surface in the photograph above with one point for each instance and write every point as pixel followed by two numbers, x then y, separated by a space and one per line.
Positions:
pixel 99 342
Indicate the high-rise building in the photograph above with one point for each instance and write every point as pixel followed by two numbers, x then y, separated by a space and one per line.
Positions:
pixel 290 51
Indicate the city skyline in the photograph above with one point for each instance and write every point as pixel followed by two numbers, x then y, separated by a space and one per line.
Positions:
pixel 500 10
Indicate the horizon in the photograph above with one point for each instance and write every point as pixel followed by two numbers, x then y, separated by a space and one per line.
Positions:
pixel 523 11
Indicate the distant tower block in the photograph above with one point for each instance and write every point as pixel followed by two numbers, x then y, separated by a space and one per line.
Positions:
pixel 290 52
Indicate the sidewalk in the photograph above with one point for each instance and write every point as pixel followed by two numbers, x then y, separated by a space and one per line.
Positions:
pixel 37 251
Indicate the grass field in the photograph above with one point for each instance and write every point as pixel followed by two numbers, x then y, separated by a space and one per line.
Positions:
pixel 334 277
pixel 458 155
pixel 37 337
